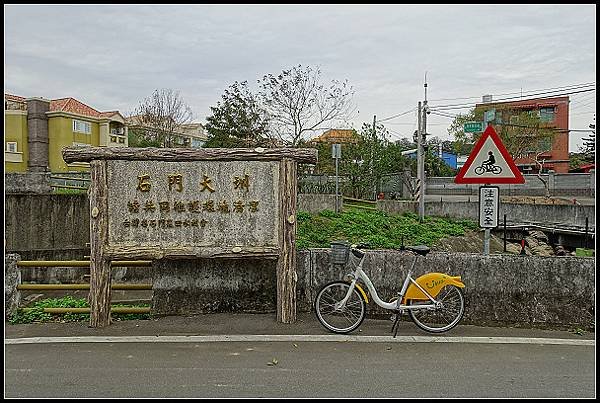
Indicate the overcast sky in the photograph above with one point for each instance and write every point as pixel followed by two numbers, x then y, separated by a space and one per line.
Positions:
pixel 111 57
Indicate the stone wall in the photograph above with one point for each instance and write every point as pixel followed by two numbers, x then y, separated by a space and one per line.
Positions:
pixel 569 184
pixel 56 222
pixel 27 182
pixel 315 203
pixel 571 215
pixel 523 291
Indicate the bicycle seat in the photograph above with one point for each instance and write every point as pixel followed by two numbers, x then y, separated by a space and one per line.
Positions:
pixel 420 249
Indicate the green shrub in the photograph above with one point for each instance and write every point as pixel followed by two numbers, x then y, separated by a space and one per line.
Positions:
pixel 37 314
pixel 381 230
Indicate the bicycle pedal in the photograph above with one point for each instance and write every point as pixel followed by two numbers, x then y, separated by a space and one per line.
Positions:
pixel 393 318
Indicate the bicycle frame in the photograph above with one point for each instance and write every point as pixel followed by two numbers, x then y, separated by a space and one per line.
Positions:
pixel 360 274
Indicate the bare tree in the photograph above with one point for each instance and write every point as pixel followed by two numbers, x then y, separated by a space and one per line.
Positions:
pixel 540 165
pixel 159 117
pixel 298 102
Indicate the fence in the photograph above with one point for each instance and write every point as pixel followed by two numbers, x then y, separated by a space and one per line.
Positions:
pixel 14 286
pixel 70 180
pixel 394 186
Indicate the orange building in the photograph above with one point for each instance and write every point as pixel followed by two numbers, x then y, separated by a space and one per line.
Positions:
pixel 553 113
pixel 337 136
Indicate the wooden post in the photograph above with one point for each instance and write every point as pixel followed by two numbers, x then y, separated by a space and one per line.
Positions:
pixel 281 240
pixel 286 265
pixel 12 279
pixel 100 273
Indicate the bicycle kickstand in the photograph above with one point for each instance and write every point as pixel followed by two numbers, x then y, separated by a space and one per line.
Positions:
pixel 396 323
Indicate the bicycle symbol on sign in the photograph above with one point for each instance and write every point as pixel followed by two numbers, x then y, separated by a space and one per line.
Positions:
pixel 488 166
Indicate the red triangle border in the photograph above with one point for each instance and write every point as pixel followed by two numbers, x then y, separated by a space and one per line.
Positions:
pixel 490 132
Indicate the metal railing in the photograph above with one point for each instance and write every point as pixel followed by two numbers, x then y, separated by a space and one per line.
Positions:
pixel 84 286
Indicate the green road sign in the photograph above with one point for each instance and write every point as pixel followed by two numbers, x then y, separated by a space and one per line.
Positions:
pixel 473 127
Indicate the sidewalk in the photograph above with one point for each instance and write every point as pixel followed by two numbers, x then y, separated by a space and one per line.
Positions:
pixel 224 324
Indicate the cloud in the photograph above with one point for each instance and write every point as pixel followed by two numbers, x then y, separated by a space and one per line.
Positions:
pixel 113 56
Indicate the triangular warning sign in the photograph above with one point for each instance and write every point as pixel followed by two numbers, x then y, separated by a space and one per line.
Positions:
pixel 489 162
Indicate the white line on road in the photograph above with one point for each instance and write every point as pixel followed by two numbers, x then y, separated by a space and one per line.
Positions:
pixel 301 338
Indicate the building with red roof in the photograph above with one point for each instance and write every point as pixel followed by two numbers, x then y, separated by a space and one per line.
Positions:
pixel 37 129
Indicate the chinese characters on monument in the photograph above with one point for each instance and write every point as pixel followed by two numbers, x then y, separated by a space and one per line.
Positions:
pixel 203 203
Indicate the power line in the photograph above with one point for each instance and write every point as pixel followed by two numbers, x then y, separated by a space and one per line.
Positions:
pixel 583 112
pixel 586 104
pixel 395 116
pixel 520 92
pixel 584 98
pixel 446 115
pixel 544 95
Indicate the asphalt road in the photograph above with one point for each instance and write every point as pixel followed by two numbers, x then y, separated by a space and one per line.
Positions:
pixel 298 369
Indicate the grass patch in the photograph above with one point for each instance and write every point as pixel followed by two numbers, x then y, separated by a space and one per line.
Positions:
pixel 37 314
pixel 381 230
pixel 584 252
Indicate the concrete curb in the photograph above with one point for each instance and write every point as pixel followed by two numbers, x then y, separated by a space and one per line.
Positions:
pixel 298 338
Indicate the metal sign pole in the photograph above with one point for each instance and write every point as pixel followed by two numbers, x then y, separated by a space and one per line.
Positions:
pixel 337 186
pixel 486 242
pixel 336 151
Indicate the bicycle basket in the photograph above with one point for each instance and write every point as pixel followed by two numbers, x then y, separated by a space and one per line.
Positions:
pixel 339 252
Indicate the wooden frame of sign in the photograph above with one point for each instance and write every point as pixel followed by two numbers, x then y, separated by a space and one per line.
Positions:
pixel 120 176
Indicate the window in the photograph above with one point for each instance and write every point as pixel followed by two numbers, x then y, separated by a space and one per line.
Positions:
pixel 82 127
pixel 546 114
pixel 11 146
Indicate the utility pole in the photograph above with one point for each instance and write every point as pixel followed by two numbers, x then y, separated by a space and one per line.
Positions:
pixel 373 162
pixel 420 165
pixel 421 147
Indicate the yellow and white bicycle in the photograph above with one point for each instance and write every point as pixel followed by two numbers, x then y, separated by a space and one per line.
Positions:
pixel 434 301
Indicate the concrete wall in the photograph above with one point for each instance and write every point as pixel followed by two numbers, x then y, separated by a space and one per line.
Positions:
pixel 27 182
pixel 526 291
pixel 568 184
pixel 500 290
pixel 314 203
pixel 46 222
pixel 567 214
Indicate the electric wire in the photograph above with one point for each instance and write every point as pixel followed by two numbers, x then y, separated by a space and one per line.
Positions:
pixel 539 95
pixel 517 92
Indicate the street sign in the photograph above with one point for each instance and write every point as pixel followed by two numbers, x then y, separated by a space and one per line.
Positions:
pixel 473 127
pixel 489 206
pixel 336 151
pixel 489 115
pixel 489 163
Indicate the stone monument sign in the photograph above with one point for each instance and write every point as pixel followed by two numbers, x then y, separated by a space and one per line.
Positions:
pixel 165 203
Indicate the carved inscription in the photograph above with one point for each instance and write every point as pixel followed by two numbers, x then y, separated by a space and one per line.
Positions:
pixel 193 203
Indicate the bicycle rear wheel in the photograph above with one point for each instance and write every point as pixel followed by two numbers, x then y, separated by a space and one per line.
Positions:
pixel 440 319
pixel 345 319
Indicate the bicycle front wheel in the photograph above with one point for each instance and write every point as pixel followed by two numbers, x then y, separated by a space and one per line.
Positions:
pixel 344 319
pixel 443 318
